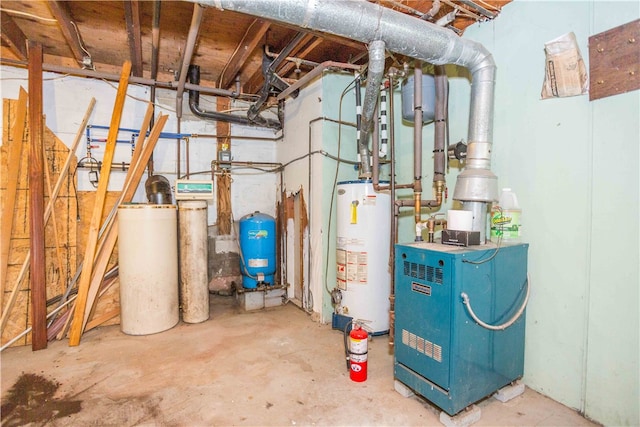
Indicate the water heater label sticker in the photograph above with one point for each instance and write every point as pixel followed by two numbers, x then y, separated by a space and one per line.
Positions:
pixel 362 273
pixel 258 262
pixel 370 200
pixel 352 272
pixel 341 272
pixel 341 256
pixel 357 267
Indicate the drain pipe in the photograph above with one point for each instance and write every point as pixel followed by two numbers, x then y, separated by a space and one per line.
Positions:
pixel 196 18
pixel 194 106
pixel 477 186
pixel 271 78
pixel 374 78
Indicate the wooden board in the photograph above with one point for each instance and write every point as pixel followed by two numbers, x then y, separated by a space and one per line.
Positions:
pixel 56 153
pixel 92 238
pixel 614 61
pixel 12 169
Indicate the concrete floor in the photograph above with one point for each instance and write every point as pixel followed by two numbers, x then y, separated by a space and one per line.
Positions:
pixel 270 367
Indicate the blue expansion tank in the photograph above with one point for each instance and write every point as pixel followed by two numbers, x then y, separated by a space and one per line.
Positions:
pixel 258 249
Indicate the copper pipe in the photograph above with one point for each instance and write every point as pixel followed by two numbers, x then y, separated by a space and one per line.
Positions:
pixel 417 196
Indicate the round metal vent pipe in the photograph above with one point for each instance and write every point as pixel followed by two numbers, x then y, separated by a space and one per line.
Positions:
pixel 407 35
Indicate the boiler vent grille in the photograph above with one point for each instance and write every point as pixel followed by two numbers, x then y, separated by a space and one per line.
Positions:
pixel 422 272
pixel 426 347
pixel 415 270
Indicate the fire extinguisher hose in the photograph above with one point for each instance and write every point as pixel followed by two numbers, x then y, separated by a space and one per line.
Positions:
pixel 346 345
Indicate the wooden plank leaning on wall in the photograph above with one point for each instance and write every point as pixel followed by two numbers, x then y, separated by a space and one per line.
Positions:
pixel 36 201
pixel 92 238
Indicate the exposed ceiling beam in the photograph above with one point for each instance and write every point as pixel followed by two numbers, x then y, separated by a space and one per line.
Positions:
pixel 254 82
pixel 13 36
pixel 60 10
pixel 246 46
pixel 132 18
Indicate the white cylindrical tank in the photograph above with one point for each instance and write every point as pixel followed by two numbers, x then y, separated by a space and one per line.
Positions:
pixel 194 284
pixel 362 253
pixel 148 259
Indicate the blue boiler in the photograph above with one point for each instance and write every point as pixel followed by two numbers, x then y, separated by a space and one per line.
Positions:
pixel 440 351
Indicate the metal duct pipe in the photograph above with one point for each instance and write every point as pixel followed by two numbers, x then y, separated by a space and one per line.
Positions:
pixel 374 78
pixel 413 37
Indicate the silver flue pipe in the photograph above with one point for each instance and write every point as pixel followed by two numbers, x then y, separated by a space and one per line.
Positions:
pixel 407 35
pixel 374 78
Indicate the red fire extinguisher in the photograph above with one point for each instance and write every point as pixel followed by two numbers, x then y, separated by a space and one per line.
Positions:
pixel 358 349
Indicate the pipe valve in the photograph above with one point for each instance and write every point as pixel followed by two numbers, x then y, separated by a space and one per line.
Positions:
pixel 457 151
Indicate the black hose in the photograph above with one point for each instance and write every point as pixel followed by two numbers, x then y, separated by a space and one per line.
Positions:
pixel 346 345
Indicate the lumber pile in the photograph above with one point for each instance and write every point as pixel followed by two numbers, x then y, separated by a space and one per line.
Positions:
pixel 84 295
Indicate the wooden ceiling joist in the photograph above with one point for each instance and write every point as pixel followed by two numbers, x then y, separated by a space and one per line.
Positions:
pixel 13 36
pixel 60 10
pixel 246 46
pixel 132 18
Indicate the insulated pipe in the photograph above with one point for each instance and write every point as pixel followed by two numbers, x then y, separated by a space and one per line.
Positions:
pixel 374 78
pixel 375 146
pixel 358 89
pixel 440 118
pixel 383 120
pixel 366 22
pixel 390 139
pixel 417 130
pixel 417 142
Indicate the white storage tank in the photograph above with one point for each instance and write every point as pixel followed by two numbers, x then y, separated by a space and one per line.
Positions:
pixel 148 260
pixel 362 253
pixel 193 253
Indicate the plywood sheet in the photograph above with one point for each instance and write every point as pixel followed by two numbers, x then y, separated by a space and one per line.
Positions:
pixel 57 276
pixel 614 61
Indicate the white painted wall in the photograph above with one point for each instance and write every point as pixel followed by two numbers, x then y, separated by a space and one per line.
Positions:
pixel 66 99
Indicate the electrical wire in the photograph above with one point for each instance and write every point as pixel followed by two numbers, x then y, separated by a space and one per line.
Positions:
pixel 335 181
pixel 498 246
pixel 28 15
pixel 246 33
pixel 81 43
pixel 467 303
pixel 26 78
pixel 141 99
